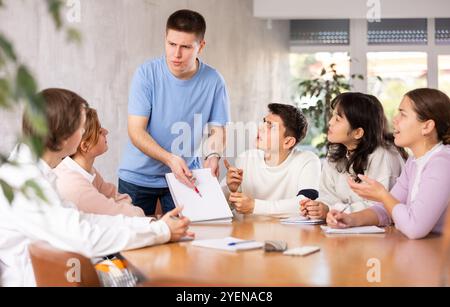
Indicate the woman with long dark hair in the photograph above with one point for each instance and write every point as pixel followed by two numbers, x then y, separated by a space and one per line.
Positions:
pixel 418 202
pixel 358 144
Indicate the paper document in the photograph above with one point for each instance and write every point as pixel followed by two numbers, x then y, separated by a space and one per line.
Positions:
pixel 229 244
pixel 301 220
pixel 353 230
pixel 210 205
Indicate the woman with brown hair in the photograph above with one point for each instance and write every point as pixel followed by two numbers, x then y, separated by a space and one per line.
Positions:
pixel 29 218
pixel 418 202
pixel 80 183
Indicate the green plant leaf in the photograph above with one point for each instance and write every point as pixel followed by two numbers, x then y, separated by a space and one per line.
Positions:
pixel 33 186
pixel 73 35
pixel 8 191
pixel 7 48
pixel 54 8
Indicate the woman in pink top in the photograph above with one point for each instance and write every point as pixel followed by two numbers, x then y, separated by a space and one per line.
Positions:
pixel 418 202
pixel 80 183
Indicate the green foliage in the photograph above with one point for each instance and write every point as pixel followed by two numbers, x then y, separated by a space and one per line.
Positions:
pixel 323 90
pixel 18 86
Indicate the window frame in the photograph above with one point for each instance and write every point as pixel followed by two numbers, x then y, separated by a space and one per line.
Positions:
pixel 359 47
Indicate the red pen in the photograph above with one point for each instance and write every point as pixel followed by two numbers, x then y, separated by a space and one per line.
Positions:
pixel 194 180
pixel 198 192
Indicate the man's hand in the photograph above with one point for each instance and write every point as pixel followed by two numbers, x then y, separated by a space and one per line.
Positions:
pixel 180 170
pixel 178 226
pixel 313 209
pixel 242 203
pixel 234 176
pixel 213 164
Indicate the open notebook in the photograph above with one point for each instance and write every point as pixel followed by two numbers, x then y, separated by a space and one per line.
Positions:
pixel 211 206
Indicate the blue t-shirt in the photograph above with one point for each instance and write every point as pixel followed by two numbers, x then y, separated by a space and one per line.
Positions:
pixel 172 106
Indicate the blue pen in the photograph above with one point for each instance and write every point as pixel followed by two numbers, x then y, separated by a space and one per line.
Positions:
pixel 240 242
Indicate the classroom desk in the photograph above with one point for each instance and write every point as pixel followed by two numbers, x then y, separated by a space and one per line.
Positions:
pixel 344 260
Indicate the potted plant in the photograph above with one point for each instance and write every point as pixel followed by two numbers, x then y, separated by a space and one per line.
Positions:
pixel 319 93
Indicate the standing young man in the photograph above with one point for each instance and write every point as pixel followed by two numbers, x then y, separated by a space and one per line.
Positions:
pixel 177 88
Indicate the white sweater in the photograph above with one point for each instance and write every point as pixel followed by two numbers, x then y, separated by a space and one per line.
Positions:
pixel 275 188
pixel 384 166
pixel 29 220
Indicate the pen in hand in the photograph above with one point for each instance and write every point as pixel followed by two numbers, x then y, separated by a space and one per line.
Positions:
pixel 345 208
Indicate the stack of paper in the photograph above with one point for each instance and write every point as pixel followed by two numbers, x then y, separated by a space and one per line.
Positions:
pixel 301 220
pixel 211 205
pixel 353 230
pixel 228 244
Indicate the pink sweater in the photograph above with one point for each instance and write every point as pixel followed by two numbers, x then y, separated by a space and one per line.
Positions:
pixel 98 197
pixel 424 212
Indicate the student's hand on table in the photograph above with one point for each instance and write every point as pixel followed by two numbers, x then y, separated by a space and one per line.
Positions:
pixel 303 211
pixel 242 203
pixel 213 164
pixel 315 209
pixel 181 171
pixel 178 225
pixel 234 176
pixel 368 189
pixel 336 219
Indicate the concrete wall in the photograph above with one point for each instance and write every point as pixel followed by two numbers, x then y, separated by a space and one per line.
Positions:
pixel 354 9
pixel 119 35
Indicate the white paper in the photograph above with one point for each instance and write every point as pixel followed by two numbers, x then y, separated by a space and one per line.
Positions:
pixel 353 230
pixel 223 244
pixel 211 206
pixel 301 220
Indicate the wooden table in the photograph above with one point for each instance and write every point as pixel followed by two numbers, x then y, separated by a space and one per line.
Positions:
pixel 344 260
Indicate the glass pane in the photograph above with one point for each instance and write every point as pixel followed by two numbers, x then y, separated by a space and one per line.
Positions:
pixel 320 32
pixel 442 29
pixel 305 66
pixel 400 72
pixel 444 73
pixel 398 32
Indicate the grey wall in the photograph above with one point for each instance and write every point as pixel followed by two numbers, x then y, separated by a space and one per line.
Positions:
pixel 119 35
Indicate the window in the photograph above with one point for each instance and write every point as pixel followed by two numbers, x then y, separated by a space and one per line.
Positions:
pixel 397 32
pixel 400 72
pixel 320 32
pixel 444 73
pixel 309 66
pixel 442 29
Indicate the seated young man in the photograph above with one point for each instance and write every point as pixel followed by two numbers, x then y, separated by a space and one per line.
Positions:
pixel 270 177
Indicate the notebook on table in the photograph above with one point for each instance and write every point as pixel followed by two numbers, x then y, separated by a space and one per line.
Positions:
pixel 301 220
pixel 353 230
pixel 210 206
pixel 229 244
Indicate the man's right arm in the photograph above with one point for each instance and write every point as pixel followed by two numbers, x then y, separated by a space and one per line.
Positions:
pixel 141 139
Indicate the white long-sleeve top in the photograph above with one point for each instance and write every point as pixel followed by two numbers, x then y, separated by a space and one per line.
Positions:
pixel 384 165
pixel 275 188
pixel 29 219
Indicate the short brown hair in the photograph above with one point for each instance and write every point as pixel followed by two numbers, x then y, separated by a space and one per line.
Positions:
pixel 293 119
pixel 433 104
pixel 63 110
pixel 187 21
pixel 91 129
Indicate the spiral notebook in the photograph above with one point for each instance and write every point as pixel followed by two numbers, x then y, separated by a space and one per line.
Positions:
pixel 210 206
